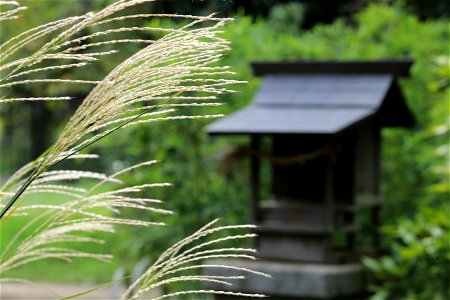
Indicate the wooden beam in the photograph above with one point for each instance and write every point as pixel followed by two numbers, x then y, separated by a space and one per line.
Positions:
pixel 255 182
pixel 397 68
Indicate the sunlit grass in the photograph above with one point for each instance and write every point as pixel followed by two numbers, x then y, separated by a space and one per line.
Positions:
pixel 80 270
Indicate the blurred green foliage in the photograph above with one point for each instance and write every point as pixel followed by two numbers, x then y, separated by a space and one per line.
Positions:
pixel 418 267
pixel 207 186
pixel 316 11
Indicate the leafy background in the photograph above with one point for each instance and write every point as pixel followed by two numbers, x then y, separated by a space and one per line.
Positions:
pixel 206 185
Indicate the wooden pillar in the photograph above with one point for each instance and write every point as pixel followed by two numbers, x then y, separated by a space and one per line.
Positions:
pixel 330 207
pixel 329 194
pixel 255 181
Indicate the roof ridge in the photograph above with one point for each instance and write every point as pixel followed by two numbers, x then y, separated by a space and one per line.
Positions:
pixel 283 105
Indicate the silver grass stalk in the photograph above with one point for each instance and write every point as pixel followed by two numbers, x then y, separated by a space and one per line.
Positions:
pixel 171 266
pixel 87 211
pixel 175 71
pixel 9 10
pixel 177 67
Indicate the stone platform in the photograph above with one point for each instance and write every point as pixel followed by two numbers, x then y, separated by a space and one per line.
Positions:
pixel 293 280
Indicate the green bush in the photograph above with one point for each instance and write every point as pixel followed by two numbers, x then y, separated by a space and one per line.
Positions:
pixel 419 266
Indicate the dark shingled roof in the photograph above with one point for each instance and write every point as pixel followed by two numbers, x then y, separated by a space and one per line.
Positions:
pixel 317 104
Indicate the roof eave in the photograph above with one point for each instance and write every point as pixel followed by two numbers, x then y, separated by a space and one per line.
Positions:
pixel 397 68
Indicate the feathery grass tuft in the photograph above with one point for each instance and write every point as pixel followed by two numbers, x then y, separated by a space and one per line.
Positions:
pixel 9 10
pixel 179 67
pixel 185 255
pixel 87 211
pixel 177 70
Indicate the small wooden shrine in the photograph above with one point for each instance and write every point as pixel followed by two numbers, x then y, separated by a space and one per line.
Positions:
pixel 324 121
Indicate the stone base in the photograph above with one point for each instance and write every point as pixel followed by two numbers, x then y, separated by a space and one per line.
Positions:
pixel 293 280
